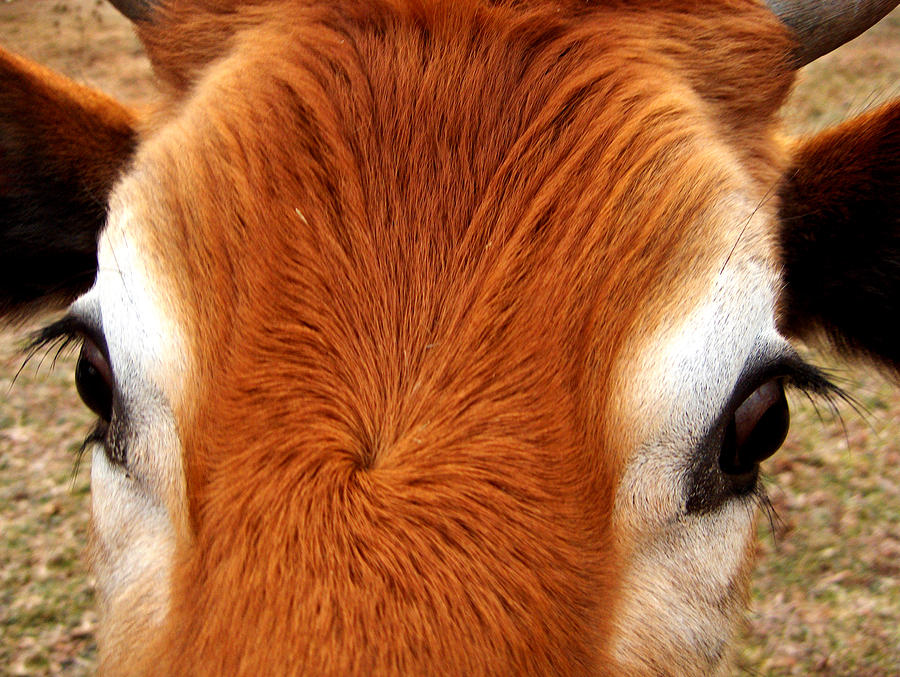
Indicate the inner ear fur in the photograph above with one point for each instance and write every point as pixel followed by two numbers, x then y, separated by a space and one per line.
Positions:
pixel 840 236
pixel 62 146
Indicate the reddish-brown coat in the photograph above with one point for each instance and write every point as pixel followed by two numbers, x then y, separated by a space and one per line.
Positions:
pixel 62 147
pixel 408 239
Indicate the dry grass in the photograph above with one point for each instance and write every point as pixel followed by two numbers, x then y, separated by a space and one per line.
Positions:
pixel 826 596
pixel 46 604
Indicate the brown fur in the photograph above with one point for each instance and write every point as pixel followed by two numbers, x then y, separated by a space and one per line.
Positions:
pixel 62 146
pixel 841 236
pixel 80 135
pixel 410 244
pixel 396 448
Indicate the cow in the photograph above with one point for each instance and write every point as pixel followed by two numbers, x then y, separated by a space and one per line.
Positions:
pixel 443 336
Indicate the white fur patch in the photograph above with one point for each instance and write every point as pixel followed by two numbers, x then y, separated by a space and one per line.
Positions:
pixel 684 583
pixel 139 511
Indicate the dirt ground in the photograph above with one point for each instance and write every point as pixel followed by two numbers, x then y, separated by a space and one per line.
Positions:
pixel 826 597
pixel 88 40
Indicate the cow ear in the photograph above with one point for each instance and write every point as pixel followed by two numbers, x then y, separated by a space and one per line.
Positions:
pixel 840 237
pixel 62 146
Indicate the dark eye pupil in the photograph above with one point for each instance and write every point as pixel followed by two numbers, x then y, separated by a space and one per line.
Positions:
pixel 91 381
pixel 756 431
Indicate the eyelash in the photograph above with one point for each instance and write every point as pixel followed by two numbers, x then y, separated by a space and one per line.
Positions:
pixel 816 385
pixel 60 336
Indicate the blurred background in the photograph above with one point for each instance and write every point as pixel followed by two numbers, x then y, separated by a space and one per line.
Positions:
pixel 826 594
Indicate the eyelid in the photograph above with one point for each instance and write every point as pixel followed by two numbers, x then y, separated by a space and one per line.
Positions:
pixel 786 365
pixel 792 369
pixel 92 331
pixel 803 375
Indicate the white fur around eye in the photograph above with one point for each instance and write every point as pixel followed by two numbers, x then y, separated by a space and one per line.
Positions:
pixel 685 575
pixel 139 509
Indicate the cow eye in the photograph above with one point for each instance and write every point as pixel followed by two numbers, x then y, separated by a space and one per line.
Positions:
pixel 756 431
pixel 93 379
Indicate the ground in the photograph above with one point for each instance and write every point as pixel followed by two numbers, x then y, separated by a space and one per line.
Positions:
pixel 826 594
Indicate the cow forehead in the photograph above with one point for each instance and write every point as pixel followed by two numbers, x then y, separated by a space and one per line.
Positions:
pixel 447 273
pixel 275 200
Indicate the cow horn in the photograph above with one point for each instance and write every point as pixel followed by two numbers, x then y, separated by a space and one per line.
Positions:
pixel 136 10
pixel 824 25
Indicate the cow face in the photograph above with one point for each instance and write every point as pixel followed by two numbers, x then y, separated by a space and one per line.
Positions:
pixel 430 337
